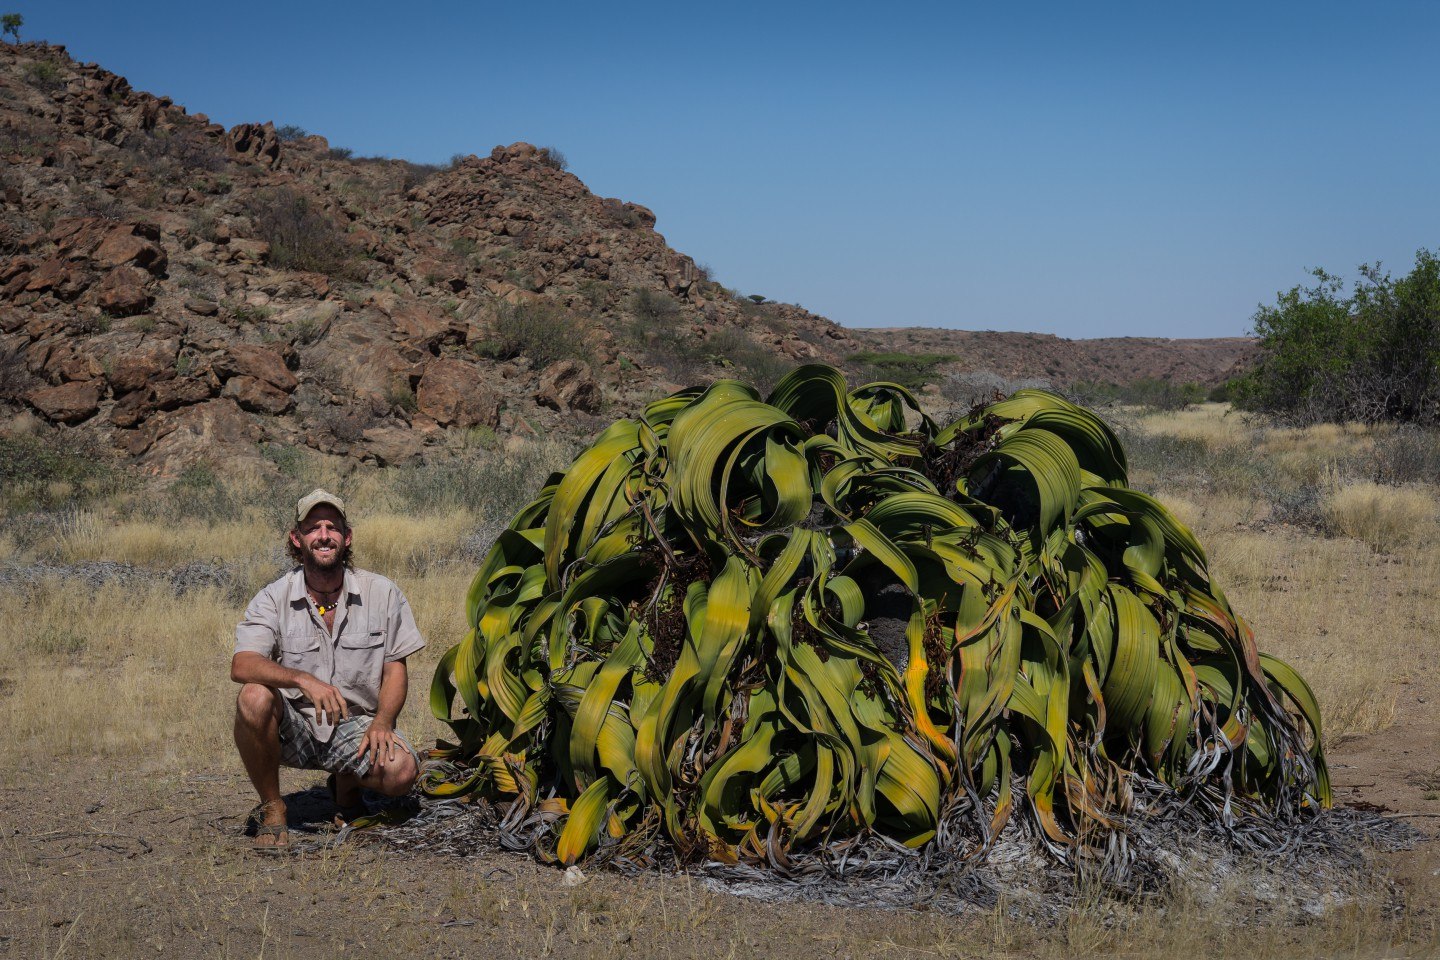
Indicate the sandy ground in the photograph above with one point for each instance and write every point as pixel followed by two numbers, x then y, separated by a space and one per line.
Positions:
pixel 104 860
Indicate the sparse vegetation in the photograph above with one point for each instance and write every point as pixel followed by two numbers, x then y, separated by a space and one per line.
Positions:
pixel 553 158
pixel 11 23
pixel 540 332
pixel 289 133
pixel 301 237
pixel 1385 518
pixel 45 74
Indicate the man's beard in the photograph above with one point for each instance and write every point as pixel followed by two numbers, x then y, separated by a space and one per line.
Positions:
pixel 336 559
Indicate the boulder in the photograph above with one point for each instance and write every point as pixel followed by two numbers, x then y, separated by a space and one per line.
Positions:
pixel 122 246
pixel 254 141
pixel 261 363
pixel 390 445
pixel 249 251
pixel 214 431
pixel 67 403
pixel 568 385
pixel 452 393
pixel 151 363
pixel 123 292
pixel 183 391
pixel 256 362
pixel 256 395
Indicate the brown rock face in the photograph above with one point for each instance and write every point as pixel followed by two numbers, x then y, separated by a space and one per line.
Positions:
pixel 451 393
pixel 569 385
pixel 391 445
pixel 254 141
pixel 67 403
pixel 256 395
pixel 214 431
pixel 123 292
pixel 151 363
pixel 259 363
pixel 122 246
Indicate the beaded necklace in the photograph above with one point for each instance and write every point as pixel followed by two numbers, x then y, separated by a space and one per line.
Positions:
pixel 326 607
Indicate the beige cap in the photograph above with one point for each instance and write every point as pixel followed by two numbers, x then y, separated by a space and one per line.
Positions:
pixel 313 499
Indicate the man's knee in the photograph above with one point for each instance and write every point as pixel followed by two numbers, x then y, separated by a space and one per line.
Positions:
pixel 255 706
pixel 399 776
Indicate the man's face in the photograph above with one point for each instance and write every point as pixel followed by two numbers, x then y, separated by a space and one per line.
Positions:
pixel 322 538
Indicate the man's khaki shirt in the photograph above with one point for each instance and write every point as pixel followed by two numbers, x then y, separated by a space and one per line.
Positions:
pixel 373 627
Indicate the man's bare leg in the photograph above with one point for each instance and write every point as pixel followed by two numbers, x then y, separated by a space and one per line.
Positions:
pixel 257 737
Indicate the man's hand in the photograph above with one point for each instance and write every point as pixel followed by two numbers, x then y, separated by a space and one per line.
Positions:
pixel 380 744
pixel 329 701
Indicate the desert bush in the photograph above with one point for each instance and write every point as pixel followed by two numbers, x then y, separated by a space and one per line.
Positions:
pixel 965 390
pixel 414 174
pixel 1372 355
pixel 88 202
pixel 653 310
pixel 540 332
pixel 734 354
pixel 1152 392
pixel 45 471
pixel 300 235
pixel 1406 455
pixel 1383 517
pixel 553 158
pixel 291 132
pixel 910 370
pixel 340 153
pixel 174 156
pixel 44 74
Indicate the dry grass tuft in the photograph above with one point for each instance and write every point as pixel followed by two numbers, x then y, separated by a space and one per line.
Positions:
pixel 91 535
pixel 1385 518
pixel 397 546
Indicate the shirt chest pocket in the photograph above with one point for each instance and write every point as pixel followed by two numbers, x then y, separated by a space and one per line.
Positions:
pixel 301 651
pixel 360 655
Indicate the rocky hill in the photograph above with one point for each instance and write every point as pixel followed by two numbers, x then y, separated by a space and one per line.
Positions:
pixel 174 291
pixel 1066 363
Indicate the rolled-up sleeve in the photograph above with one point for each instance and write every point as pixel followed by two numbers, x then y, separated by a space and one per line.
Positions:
pixel 403 636
pixel 259 632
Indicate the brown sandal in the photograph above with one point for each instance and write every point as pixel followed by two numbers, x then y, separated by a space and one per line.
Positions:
pixel 280 831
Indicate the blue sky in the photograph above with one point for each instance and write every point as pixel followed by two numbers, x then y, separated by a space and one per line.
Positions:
pixel 1081 169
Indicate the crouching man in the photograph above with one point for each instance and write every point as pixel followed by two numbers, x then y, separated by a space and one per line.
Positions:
pixel 321 657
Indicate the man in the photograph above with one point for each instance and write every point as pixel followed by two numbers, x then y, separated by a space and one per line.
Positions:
pixel 321 659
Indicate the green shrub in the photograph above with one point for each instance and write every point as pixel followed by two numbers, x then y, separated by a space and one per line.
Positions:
pixel 1371 356
pixel 400 397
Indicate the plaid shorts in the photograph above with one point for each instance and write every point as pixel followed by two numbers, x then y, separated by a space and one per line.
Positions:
pixel 299 748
